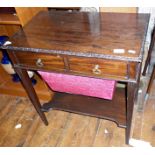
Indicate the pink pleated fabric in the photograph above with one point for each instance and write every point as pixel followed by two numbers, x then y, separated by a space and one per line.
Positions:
pixel 79 85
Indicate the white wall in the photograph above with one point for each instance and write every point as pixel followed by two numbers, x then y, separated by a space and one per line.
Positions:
pixel 150 10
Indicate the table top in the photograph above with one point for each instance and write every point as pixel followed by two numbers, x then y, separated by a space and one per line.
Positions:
pixel 103 35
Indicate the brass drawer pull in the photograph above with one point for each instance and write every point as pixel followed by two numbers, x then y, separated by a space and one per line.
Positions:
pixel 39 63
pixel 96 69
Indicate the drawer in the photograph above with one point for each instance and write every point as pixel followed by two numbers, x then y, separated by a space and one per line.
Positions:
pixel 98 67
pixel 40 61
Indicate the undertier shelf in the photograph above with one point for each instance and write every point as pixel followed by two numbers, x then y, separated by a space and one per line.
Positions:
pixel 114 110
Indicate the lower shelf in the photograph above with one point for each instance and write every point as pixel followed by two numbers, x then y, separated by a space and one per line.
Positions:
pixel 114 110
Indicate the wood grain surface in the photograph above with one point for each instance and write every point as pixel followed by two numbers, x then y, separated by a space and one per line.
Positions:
pixel 88 33
pixel 9 19
pixel 66 129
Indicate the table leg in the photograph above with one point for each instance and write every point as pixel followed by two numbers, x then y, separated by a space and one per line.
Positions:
pixel 151 81
pixel 131 90
pixel 27 84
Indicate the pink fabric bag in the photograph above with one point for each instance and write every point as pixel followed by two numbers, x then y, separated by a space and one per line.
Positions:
pixel 79 85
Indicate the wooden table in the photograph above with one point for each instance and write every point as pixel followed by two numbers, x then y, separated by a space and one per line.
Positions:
pixel 98 45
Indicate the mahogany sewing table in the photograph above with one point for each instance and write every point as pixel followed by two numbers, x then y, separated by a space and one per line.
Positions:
pixel 99 45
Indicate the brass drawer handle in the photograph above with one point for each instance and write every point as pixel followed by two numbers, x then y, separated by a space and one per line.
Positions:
pixel 39 63
pixel 96 69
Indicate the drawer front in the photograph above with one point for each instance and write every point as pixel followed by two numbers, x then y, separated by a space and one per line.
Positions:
pixel 40 61
pixel 98 67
